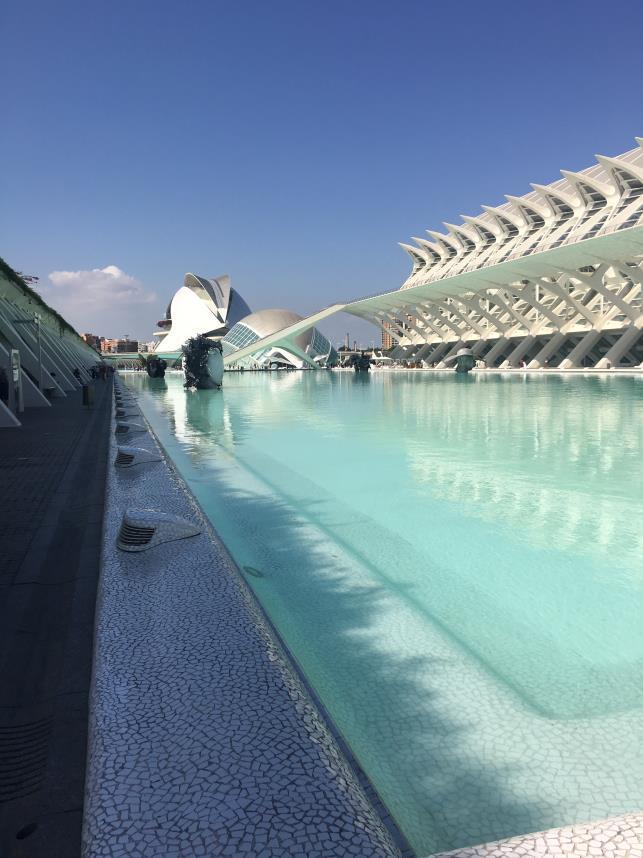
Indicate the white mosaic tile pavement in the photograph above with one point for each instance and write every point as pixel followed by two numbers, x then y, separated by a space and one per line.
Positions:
pixel 203 741
pixel 618 837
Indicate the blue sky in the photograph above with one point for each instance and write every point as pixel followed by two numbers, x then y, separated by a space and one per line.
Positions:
pixel 289 144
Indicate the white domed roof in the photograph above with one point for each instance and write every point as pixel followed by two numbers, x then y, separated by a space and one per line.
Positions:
pixel 266 322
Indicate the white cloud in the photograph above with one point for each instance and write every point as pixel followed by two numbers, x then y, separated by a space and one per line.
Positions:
pixel 105 301
pixel 100 288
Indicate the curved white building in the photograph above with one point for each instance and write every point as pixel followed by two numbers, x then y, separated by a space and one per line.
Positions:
pixel 309 348
pixel 201 306
pixel 551 278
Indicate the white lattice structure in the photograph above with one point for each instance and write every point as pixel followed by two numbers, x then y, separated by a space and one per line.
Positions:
pixel 550 278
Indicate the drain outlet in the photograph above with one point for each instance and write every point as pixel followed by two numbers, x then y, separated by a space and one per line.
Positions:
pixel 128 457
pixel 145 528
pixel 129 428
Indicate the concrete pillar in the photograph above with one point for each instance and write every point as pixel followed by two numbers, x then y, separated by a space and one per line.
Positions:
pixel 548 350
pixel 70 354
pixel 424 351
pixel 437 352
pixel 585 346
pixel 620 347
pixel 51 360
pixel 479 347
pixel 451 353
pixel 55 348
pixel 19 320
pixel 496 351
pixel 520 351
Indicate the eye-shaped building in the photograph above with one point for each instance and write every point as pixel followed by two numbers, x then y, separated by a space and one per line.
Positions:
pixel 201 306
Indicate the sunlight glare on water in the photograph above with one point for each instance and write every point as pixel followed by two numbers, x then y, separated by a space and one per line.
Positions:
pixel 455 562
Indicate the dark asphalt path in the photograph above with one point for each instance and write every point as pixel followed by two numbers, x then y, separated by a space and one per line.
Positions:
pixel 52 485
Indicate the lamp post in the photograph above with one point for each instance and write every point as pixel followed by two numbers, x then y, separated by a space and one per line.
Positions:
pixel 35 321
pixel 36 318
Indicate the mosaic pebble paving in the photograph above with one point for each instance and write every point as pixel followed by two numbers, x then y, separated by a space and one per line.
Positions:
pixel 618 837
pixel 203 741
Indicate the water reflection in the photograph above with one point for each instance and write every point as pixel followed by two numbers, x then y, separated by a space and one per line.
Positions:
pixel 455 563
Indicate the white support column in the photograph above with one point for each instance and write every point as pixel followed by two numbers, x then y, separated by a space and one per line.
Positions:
pixel 529 296
pixel 499 326
pixel 505 303
pixel 437 352
pixel 496 351
pixel 50 358
pixel 548 350
pixel 444 318
pixel 63 360
pixel 520 351
pixel 453 351
pixel 393 321
pixel 596 281
pixel 468 321
pixel 560 290
pixel 28 358
pixel 424 313
pixel 25 327
pixel 423 352
pixel 479 347
pixel 581 350
pixel 72 355
pixel 620 347
pixel 421 333
pixel 75 356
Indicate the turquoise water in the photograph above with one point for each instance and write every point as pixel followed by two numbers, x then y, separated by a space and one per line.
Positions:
pixel 456 565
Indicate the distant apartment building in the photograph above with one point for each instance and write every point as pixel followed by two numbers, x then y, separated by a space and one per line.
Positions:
pixel 391 331
pixel 388 340
pixel 118 346
pixel 92 340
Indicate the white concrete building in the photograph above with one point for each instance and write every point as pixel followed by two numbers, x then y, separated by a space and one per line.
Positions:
pixel 552 278
pixel 211 307
pixel 201 306
pixel 41 355
pixel 309 348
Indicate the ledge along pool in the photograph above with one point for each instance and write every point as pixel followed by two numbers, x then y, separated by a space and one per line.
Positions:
pixel 455 562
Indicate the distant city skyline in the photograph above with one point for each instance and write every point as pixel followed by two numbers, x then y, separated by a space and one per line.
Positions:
pixel 291 145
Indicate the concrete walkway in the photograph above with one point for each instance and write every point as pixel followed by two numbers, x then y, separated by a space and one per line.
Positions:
pixel 52 479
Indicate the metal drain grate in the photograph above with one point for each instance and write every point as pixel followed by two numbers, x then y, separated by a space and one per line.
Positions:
pixel 130 535
pixel 123 458
pixel 23 758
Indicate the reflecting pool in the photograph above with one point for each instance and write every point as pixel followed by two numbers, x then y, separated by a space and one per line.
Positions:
pixel 455 562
